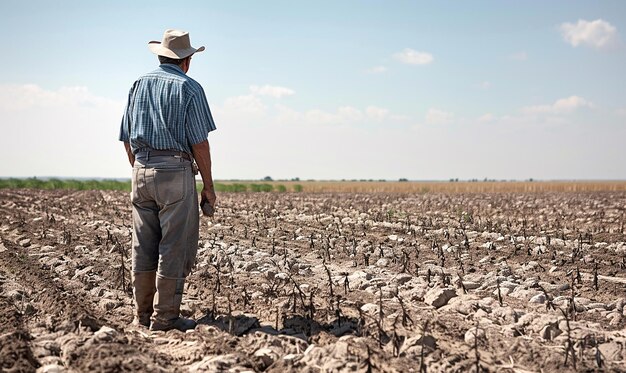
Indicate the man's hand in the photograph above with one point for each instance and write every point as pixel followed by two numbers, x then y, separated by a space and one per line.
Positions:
pixel 129 153
pixel 208 195
pixel 202 155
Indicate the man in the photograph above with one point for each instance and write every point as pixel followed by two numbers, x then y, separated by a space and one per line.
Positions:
pixel 164 129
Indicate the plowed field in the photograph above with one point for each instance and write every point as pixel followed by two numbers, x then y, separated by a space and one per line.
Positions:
pixel 299 282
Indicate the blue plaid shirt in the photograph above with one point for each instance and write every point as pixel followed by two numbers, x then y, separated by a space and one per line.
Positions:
pixel 166 109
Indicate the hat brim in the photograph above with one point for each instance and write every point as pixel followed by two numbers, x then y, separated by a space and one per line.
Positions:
pixel 160 50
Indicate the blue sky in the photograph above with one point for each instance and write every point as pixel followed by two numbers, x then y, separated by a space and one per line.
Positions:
pixel 329 89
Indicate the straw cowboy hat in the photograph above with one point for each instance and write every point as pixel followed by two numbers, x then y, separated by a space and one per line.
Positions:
pixel 175 45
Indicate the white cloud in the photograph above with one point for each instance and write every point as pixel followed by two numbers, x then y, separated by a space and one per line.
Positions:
pixel 28 96
pixel 598 33
pixel 349 113
pixel 376 70
pixel 486 118
pixel 413 57
pixel 621 112
pixel 320 117
pixel 287 115
pixel 437 116
pixel 240 110
pixel 485 85
pixel 53 126
pixel 400 117
pixel 248 104
pixel 376 113
pixel 343 115
pixel 561 106
pixel 519 56
pixel 273 91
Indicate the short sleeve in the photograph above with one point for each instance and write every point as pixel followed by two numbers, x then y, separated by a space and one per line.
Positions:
pixel 125 125
pixel 199 121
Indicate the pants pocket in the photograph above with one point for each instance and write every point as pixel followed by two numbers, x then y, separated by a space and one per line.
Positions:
pixel 170 185
pixel 138 185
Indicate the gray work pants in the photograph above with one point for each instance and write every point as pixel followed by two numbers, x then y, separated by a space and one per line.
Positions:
pixel 165 216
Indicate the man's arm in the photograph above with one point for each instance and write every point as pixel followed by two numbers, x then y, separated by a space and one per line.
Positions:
pixel 129 153
pixel 202 154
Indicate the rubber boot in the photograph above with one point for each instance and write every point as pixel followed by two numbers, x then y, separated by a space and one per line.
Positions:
pixel 144 288
pixel 167 306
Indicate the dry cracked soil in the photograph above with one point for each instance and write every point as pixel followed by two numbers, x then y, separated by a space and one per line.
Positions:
pixel 297 282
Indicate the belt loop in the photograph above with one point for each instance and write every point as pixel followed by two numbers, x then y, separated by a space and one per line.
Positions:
pixel 148 156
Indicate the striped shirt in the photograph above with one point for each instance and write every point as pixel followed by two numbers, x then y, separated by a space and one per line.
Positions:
pixel 166 110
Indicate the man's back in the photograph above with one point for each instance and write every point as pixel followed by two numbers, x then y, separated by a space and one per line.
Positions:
pixel 166 110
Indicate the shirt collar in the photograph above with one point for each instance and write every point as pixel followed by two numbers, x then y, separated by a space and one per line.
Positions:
pixel 169 66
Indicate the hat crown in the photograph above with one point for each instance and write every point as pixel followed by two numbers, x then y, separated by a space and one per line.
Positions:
pixel 176 39
pixel 175 44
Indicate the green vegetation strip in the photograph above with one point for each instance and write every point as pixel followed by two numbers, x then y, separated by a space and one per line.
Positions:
pixel 35 183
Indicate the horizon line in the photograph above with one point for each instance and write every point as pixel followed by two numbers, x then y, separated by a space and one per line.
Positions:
pixel 362 180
